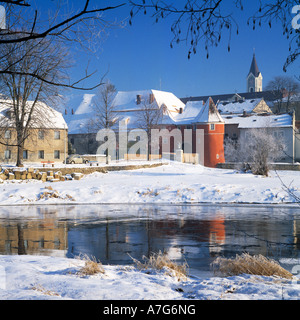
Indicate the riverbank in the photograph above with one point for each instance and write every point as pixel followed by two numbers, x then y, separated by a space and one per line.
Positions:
pixel 52 278
pixel 172 183
pixel 28 277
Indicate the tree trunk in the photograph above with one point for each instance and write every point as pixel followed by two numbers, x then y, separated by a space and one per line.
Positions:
pixel 20 148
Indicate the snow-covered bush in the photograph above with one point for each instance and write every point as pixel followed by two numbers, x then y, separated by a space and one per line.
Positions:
pixel 255 151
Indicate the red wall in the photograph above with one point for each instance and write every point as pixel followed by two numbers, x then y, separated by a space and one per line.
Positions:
pixel 213 142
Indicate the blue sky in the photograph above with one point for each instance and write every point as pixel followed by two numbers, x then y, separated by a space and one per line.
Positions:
pixel 139 57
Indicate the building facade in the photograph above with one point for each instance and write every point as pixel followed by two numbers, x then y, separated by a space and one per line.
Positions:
pixel 46 140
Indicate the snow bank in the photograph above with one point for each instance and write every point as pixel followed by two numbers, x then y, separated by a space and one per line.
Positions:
pixel 175 183
pixel 48 278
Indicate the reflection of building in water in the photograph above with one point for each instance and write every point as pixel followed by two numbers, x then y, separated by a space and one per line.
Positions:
pixel 112 241
pixel 47 237
pixel 189 239
pixel 269 237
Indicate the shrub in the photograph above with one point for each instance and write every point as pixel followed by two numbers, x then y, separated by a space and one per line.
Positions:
pixel 91 267
pixel 247 264
pixel 160 261
pixel 257 150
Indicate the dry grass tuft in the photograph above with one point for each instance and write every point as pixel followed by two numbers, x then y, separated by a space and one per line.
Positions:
pixel 41 289
pixel 149 192
pixel 247 264
pixel 90 267
pixel 160 261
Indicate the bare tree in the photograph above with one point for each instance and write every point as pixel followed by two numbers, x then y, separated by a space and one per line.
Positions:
pixel 202 23
pixel 105 113
pixel 283 87
pixel 26 96
pixel 256 151
pixel 148 117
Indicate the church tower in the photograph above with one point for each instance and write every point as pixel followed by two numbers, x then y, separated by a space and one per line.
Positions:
pixel 254 78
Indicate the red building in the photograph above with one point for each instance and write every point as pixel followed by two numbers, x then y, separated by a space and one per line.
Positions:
pixel 199 128
pixel 202 121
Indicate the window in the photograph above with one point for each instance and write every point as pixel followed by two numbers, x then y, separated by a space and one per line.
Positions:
pixel 212 126
pixel 7 134
pixel 41 154
pixel 25 154
pixel 41 135
pixel 7 154
pixel 56 135
pixel 56 154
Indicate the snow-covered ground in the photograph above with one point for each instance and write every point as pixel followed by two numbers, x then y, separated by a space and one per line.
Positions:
pixel 170 183
pixel 41 277
pixel 44 277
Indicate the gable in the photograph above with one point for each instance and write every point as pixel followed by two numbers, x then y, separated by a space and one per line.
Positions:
pixel 262 107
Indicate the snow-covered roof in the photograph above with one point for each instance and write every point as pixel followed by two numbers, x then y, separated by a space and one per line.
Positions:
pixel 126 107
pixel 127 100
pixel 85 105
pixel 257 121
pixel 79 119
pixel 190 112
pixel 237 107
pixel 196 112
pixel 43 116
pixel 209 113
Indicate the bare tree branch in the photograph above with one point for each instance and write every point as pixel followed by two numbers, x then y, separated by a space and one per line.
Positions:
pixel 16 2
pixel 78 28
pixel 55 29
pixel 201 23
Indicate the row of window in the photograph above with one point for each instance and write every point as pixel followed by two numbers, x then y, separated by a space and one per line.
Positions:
pixel 41 135
pixel 41 154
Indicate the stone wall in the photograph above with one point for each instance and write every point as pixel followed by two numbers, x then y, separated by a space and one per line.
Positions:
pixel 63 174
pixel 274 166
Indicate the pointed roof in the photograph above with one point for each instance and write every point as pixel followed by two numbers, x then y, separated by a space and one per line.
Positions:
pixel 209 113
pixel 254 68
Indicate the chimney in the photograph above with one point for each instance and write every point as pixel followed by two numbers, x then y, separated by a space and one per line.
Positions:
pixel 151 98
pixel 72 111
pixel 66 112
pixel 138 99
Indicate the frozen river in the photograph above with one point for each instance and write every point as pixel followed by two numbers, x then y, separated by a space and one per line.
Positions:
pixel 196 234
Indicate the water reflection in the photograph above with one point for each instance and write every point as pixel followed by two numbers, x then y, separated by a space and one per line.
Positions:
pixel 111 233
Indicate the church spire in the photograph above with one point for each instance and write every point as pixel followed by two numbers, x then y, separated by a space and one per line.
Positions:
pixel 254 67
pixel 254 78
